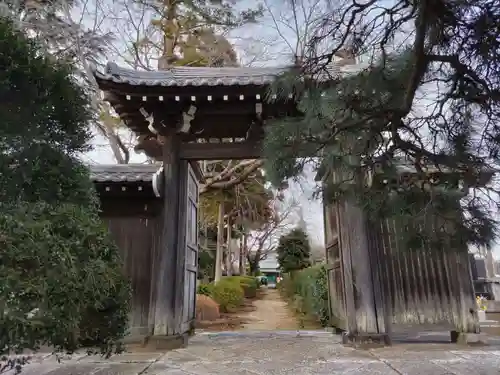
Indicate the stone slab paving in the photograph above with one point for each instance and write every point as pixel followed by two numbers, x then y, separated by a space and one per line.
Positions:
pixel 269 353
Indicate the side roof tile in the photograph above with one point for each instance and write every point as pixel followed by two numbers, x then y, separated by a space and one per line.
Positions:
pixel 123 172
pixel 199 76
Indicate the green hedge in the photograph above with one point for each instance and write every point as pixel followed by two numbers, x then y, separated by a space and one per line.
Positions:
pixel 231 291
pixel 249 284
pixel 228 294
pixel 307 289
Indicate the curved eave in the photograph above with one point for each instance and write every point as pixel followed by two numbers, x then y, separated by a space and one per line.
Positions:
pixel 188 77
pixel 120 173
pixel 195 77
pixel 185 82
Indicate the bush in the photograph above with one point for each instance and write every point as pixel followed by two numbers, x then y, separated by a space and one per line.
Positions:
pixel 228 294
pixel 248 283
pixel 286 286
pixel 206 308
pixel 308 290
pixel 59 266
pixel 205 289
pixel 62 279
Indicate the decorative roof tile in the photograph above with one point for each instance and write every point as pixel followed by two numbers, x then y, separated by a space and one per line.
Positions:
pixel 123 172
pixel 198 76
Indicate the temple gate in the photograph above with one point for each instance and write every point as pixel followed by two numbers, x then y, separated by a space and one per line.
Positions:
pixel 186 114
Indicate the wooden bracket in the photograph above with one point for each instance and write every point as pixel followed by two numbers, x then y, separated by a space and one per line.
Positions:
pixel 150 119
pixel 258 111
pixel 187 117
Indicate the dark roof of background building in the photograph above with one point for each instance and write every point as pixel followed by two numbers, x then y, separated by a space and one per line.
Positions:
pixel 123 172
pixel 200 76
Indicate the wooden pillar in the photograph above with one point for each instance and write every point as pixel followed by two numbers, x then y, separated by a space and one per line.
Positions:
pixel 169 262
pixel 364 302
pixel 467 321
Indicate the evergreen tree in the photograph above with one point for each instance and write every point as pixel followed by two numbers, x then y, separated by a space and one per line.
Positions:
pixel 44 126
pixel 62 281
pixel 413 135
pixel 294 251
pixel 187 32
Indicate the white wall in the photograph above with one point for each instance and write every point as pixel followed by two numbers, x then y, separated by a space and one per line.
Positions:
pixel 270 263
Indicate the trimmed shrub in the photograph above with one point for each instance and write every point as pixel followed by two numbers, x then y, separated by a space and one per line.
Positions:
pixel 205 289
pixel 248 283
pixel 206 308
pixel 228 295
pixel 308 290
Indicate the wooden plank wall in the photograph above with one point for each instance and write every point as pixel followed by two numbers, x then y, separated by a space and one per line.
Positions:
pixel 138 240
pixel 381 287
pixel 425 288
pixel 385 286
pixel 157 249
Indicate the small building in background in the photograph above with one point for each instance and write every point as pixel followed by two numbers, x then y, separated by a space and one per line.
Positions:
pixel 486 282
pixel 269 268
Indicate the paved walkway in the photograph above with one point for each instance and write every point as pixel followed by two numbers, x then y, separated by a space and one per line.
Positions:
pixel 273 353
pixel 271 313
pixel 270 344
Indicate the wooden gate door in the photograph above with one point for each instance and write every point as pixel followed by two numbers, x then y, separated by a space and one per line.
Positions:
pixel 191 260
pixel 336 290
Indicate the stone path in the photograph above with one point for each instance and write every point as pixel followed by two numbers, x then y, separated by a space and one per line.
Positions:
pixel 271 313
pixel 283 352
pixel 271 344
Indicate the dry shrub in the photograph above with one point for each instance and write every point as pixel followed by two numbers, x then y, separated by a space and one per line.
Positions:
pixel 206 308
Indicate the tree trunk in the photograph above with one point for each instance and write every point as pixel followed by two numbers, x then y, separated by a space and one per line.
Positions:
pixel 169 15
pixel 241 257
pixel 244 252
pixel 253 266
pixel 229 261
pixel 220 242
pixel 120 152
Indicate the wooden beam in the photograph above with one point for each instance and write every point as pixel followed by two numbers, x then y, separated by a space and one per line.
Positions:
pixel 166 109
pixel 134 91
pixel 220 151
pixel 130 207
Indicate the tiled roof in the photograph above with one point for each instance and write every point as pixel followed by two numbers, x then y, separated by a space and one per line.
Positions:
pixel 197 76
pixel 123 172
